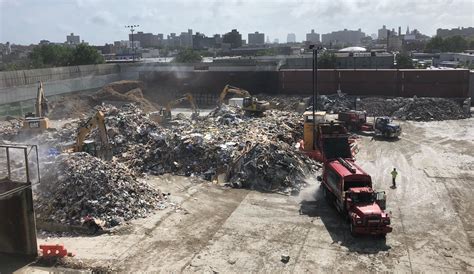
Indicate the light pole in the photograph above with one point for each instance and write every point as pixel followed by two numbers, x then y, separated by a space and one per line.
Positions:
pixel 315 49
pixel 132 29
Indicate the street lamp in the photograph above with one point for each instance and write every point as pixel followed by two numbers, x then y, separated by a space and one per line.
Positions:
pixel 132 29
pixel 315 49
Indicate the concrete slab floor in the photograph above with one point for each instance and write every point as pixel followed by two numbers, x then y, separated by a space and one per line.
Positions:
pixel 234 230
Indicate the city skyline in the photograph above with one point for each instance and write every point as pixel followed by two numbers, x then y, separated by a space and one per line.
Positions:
pixel 21 23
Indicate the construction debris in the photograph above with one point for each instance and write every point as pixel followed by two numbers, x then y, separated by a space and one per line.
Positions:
pixel 256 153
pixel 80 185
pixel 116 93
pixel 430 109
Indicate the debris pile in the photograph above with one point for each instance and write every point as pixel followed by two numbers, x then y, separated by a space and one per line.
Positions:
pixel 286 102
pixel 10 128
pixel 117 93
pixel 80 185
pixel 334 103
pixel 377 106
pixel 429 109
pixel 256 153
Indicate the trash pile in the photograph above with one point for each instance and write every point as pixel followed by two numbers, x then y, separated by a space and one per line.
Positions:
pixel 334 103
pixel 377 106
pixel 256 153
pixel 430 109
pixel 78 185
pixel 286 102
pixel 117 93
pixel 10 128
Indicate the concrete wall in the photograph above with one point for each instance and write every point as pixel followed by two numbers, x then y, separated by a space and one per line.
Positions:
pixel 21 85
pixel 18 86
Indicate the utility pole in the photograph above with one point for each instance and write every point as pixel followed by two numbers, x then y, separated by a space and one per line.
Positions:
pixel 132 29
pixel 315 49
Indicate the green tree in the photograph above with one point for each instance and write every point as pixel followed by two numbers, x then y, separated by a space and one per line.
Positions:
pixel 188 56
pixel 85 55
pixel 404 61
pixel 451 44
pixel 50 56
pixel 327 60
pixel 60 55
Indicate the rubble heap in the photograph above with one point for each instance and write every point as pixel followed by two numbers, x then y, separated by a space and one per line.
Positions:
pixel 377 106
pixel 286 102
pixel 220 143
pixel 82 104
pixel 80 185
pixel 429 109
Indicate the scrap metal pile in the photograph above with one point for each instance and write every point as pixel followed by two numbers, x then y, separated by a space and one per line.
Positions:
pixel 79 185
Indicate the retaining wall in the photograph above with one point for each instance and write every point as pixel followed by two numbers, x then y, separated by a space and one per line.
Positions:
pixel 21 85
pixel 210 78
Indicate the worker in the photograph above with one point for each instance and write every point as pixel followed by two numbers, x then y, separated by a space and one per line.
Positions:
pixel 394 177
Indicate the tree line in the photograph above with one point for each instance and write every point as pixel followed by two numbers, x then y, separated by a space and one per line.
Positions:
pixel 60 55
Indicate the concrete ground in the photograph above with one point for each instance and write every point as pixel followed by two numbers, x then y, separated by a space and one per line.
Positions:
pixel 209 228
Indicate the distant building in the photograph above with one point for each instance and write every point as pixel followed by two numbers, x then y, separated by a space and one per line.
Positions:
pixel 464 32
pixel 256 38
pixel 350 59
pixel 291 38
pixel 382 33
pixel 276 41
pixel 73 39
pixel 343 38
pixel 233 38
pixel 147 40
pixel 201 41
pixel 312 37
pixel 186 39
pixel 44 42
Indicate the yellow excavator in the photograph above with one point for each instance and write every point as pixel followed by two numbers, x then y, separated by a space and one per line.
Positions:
pixel 164 115
pixel 250 103
pixel 102 151
pixel 38 120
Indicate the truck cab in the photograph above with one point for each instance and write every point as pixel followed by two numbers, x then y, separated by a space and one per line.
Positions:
pixel 384 126
pixel 349 188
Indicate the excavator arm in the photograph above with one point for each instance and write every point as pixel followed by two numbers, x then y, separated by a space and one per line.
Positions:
pixel 231 89
pixel 41 105
pixel 98 120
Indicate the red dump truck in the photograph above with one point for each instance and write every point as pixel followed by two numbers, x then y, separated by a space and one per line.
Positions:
pixel 349 188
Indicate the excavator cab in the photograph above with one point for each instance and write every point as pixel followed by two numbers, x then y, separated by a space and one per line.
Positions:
pixel 38 120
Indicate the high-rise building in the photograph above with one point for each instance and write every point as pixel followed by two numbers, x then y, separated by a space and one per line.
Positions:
pixel 233 38
pixel 186 39
pixel 73 39
pixel 344 37
pixel 256 38
pixel 312 37
pixel 147 40
pixel 291 38
pixel 382 34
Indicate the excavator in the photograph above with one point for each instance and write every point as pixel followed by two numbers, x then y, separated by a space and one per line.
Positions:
pixel 164 115
pixel 38 120
pixel 250 103
pixel 89 146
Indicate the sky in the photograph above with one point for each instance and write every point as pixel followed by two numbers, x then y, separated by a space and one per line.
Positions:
pixel 103 21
